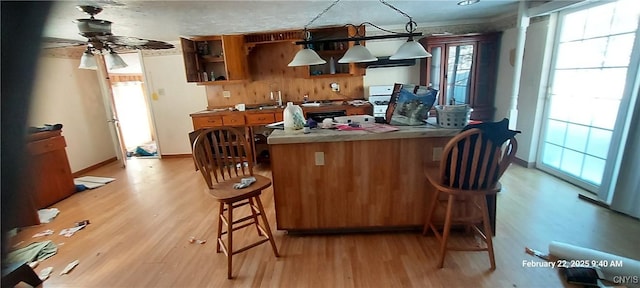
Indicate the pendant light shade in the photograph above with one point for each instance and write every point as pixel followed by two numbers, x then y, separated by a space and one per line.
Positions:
pixel 305 57
pixel 357 54
pixel 410 50
pixel 88 61
pixel 114 61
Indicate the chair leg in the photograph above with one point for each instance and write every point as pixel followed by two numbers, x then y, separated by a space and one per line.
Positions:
pixel 229 240
pixel 432 209
pixel 266 226
pixel 487 231
pixel 445 233
pixel 255 217
pixel 219 234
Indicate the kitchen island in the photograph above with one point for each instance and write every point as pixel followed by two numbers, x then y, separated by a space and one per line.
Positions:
pixel 330 180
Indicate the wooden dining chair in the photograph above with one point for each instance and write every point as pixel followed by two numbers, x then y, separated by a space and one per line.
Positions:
pixel 470 168
pixel 223 157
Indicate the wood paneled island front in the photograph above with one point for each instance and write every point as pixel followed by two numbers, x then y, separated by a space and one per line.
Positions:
pixel 332 180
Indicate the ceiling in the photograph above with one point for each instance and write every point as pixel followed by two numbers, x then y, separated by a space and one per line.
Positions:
pixel 168 20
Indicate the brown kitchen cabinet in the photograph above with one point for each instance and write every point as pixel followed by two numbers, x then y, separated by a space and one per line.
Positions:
pixel 333 51
pixel 464 69
pixel 50 178
pixel 223 55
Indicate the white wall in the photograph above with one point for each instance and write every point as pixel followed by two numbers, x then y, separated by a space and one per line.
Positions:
pixel 532 86
pixel 175 100
pixel 70 96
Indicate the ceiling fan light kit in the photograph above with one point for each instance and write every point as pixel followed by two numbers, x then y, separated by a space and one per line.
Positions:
pixel 100 40
pixel 88 61
pixel 358 53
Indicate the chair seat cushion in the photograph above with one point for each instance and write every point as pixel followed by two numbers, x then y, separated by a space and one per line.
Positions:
pixel 225 192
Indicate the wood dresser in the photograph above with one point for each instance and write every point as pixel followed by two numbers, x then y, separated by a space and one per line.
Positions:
pixel 49 177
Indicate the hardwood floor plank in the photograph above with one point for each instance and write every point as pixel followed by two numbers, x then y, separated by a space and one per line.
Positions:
pixel 141 224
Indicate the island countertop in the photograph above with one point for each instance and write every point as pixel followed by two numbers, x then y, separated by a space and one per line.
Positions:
pixel 333 135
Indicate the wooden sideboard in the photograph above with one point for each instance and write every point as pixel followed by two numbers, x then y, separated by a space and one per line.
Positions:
pixel 48 177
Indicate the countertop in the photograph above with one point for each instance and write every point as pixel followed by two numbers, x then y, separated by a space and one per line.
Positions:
pixel 333 135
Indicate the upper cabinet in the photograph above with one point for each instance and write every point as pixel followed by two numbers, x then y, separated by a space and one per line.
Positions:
pixel 333 51
pixel 213 60
pixel 464 70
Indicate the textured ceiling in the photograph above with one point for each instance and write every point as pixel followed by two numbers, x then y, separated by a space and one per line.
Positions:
pixel 167 20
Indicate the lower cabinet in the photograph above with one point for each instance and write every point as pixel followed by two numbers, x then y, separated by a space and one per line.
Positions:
pixel 48 179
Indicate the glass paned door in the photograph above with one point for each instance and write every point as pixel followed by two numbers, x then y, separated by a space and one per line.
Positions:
pixel 459 73
pixel 592 55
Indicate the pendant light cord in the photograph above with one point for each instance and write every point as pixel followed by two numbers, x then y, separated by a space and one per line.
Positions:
pixel 321 13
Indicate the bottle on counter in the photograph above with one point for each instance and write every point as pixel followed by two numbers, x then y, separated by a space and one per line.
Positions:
pixel 293 117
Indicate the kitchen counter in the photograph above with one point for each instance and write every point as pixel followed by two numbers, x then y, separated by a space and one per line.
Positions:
pixel 253 110
pixel 333 135
pixel 344 181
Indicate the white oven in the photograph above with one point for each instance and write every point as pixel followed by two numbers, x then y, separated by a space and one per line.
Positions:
pixel 379 96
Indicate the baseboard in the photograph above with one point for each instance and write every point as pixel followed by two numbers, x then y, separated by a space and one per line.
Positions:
pixel 523 163
pixel 93 167
pixel 176 156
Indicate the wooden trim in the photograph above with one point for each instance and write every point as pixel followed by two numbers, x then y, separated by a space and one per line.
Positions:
pixel 173 156
pixel 92 167
pixel 524 163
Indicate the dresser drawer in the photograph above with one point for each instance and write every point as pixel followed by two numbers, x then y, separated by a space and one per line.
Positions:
pixel 233 120
pixel 46 145
pixel 263 118
pixel 206 122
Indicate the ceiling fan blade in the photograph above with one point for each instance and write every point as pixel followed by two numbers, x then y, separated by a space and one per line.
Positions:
pixel 53 42
pixel 135 43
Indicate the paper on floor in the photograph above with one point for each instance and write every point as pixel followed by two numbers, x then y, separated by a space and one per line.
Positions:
pixel 46 215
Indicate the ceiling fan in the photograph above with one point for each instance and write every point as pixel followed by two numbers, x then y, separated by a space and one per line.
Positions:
pixel 100 40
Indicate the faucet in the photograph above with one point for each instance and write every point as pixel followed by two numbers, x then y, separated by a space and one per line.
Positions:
pixel 279 98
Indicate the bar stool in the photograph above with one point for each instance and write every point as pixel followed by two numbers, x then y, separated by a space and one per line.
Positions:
pixel 223 156
pixel 469 170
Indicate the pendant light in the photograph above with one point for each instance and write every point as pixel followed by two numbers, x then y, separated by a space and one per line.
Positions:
pixel 357 54
pixel 306 56
pixel 114 61
pixel 88 61
pixel 410 49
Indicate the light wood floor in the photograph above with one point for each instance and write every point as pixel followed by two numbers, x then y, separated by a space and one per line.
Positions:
pixel 141 223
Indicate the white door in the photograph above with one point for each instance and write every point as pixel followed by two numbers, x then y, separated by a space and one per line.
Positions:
pixel 592 53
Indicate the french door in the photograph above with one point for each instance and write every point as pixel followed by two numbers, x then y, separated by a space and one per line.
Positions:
pixel 588 75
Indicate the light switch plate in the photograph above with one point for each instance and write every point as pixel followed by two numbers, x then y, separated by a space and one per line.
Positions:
pixel 226 94
pixel 319 158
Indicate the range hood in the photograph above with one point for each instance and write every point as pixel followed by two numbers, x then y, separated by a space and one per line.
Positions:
pixel 384 61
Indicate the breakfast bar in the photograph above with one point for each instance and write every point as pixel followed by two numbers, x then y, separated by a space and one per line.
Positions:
pixel 330 180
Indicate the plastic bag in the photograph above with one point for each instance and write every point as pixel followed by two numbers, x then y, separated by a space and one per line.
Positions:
pixel 410 104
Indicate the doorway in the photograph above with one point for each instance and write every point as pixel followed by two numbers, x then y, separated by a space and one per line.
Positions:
pixel 133 109
pixel 587 81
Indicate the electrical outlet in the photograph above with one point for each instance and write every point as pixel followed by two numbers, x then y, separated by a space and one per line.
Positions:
pixel 319 158
pixel 161 91
pixel 335 87
pixel 437 153
pixel 226 94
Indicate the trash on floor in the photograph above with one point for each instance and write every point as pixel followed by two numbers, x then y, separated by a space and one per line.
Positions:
pixel 91 182
pixel 43 233
pixel 68 232
pixel 36 251
pixel 46 215
pixel 69 267
pixel 44 273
